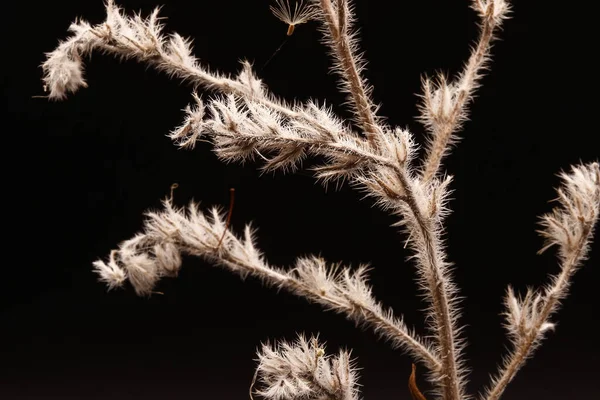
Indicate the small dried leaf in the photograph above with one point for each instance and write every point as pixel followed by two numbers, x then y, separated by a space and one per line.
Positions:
pixel 415 393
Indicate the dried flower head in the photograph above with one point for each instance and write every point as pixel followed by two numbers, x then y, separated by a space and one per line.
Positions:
pixel 301 13
pixel 301 370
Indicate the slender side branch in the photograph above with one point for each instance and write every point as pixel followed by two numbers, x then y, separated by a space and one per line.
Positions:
pixel 444 106
pixel 571 228
pixel 337 21
pixel 143 40
pixel 156 252
pixel 242 129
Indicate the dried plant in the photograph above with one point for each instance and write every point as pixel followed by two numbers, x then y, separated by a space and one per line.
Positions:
pixel 245 120
pixel 301 14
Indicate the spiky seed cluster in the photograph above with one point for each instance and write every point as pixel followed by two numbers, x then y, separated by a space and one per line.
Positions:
pixel 302 370
pixel 579 197
pixel 522 315
pixel 187 134
pixel 63 72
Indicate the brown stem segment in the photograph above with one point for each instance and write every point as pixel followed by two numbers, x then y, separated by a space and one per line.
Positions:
pixel 415 393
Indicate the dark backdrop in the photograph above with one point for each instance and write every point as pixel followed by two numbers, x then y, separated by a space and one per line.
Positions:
pixel 79 174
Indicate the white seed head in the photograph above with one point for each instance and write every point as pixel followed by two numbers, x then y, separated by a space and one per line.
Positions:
pixel 300 14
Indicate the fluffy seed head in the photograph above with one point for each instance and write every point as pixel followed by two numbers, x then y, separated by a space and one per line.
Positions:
pixel 300 14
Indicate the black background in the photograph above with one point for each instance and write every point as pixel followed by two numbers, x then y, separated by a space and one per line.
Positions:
pixel 79 174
